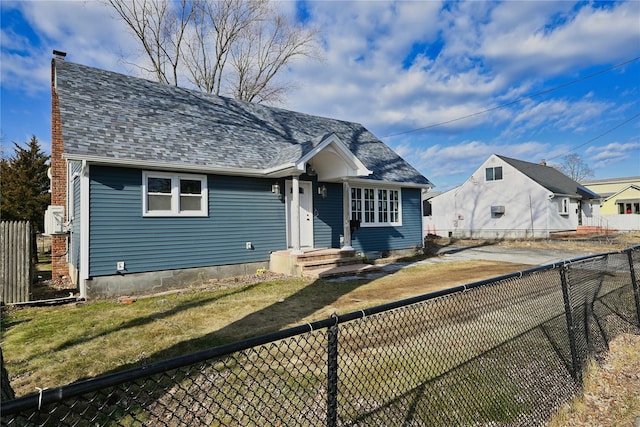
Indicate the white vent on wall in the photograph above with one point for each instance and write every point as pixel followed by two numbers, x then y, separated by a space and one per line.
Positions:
pixel 54 221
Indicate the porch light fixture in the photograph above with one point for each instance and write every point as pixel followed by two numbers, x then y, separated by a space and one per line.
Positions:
pixel 275 189
pixel 311 171
pixel 322 191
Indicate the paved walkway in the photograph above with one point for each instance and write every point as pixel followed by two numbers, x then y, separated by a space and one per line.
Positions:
pixel 532 256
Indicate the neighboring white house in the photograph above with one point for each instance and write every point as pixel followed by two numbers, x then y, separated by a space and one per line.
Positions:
pixel 509 198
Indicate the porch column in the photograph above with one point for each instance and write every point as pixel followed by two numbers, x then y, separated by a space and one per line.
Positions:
pixel 295 216
pixel 346 191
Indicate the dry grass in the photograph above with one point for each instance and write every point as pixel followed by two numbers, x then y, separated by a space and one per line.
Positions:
pixel 611 391
pixel 54 346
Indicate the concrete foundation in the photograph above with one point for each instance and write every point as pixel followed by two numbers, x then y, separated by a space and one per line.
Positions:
pixel 160 281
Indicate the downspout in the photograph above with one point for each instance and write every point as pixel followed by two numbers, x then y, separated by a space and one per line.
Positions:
pixel 295 215
pixel 531 215
pixel 346 192
pixel 548 214
pixel 84 229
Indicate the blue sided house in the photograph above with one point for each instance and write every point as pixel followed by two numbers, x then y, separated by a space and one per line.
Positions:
pixel 161 186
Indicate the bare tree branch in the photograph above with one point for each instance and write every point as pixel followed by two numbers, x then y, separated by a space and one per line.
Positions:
pixel 160 29
pixel 269 45
pixel 227 47
pixel 575 168
pixel 218 26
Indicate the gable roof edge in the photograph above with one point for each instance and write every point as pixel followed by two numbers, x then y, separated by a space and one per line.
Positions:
pixel 624 189
pixel 347 154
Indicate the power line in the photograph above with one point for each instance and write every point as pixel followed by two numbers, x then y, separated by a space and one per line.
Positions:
pixel 597 73
pixel 608 131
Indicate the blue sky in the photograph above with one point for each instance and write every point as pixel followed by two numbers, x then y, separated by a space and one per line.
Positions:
pixel 538 69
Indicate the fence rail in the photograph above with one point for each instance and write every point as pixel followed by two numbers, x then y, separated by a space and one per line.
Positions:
pixel 505 351
pixel 15 261
pixel 626 222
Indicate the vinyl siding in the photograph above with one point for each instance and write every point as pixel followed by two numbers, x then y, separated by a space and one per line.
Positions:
pixel 240 210
pixel 327 224
pixel 74 250
pixel 369 239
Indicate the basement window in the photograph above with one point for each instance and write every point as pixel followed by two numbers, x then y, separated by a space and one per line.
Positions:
pixel 166 194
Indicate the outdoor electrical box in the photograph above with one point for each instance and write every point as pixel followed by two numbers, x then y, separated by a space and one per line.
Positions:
pixel 54 221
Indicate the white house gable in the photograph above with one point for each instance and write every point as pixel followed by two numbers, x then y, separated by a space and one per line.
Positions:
pixel 500 200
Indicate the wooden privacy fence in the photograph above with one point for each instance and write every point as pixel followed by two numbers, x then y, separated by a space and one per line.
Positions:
pixel 15 261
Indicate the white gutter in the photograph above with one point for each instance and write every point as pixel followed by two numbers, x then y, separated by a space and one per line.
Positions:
pixel 97 160
pixel 285 170
pixel 389 183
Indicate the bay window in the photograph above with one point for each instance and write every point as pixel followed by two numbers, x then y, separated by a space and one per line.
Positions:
pixel 376 206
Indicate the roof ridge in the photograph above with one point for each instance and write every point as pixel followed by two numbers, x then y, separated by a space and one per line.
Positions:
pixel 106 114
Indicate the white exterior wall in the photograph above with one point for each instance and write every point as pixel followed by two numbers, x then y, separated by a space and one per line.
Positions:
pixel 530 210
pixel 614 222
pixel 563 222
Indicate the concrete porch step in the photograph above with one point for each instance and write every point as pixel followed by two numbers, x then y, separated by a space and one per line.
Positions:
pixel 592 229
pixel 310 255
pixel 318 263
pixel 343 270
pixel 311 264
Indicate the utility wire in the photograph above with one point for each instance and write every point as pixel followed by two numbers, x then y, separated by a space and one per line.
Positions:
pixel 608 131
pixel 497 107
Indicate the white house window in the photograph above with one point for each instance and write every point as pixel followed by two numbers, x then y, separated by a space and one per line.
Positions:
pixel 376 206
pixel 167 194
pixel 563 207
pixel 494 173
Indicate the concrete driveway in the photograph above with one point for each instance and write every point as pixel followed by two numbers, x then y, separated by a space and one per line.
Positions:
pixel 519 255
pixel 531 256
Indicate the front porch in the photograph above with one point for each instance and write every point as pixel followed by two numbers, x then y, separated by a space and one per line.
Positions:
pixel 319 263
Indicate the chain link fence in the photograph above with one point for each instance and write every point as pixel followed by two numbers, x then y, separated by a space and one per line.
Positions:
pixel 502 352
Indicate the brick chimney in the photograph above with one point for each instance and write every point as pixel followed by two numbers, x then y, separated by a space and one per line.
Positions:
pixel 59 265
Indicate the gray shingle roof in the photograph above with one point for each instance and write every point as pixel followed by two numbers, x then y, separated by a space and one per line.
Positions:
pixel 110 115
pixel 551 179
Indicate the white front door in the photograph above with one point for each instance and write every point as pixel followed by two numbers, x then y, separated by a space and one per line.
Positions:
pixel 306 213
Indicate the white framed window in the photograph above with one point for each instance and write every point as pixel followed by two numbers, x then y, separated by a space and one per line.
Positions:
pixel 563 207
pixel 626 207
pixel 494 173
pixel 168 194
pixel 376 206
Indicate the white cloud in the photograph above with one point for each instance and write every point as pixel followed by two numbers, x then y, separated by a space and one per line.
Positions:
pixel 462 159
pixel 614 152
pixel 558 114
pixel 547 38
pixel 86 30
pixel 491 53
pixel 466 57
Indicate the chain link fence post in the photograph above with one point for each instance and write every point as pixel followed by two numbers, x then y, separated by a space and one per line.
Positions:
pixel 634 285
pixel 568 311
pixel 332 376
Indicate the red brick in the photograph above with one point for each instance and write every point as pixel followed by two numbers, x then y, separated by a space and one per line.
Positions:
pixel 59 263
